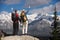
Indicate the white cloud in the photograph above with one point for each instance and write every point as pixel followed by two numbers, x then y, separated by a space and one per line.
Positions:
pixel 47 9
pixel 5 12
pixel 36 2
pixel 11 1
pixel 50 8
pixel 58 6
pixel 44 10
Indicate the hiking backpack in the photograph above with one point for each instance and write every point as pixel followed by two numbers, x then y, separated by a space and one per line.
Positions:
pixel 14 17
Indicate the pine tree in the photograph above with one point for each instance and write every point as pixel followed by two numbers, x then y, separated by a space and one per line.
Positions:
pixel 55 30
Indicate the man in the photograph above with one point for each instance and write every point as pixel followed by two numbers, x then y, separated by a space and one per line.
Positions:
pixel 15 18
pixel 24 22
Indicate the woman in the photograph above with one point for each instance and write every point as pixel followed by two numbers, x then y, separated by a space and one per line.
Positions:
pixel 24 22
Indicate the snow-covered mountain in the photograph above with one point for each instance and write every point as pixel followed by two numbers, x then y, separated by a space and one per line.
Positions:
pixel 40 28
pixel 38 23
pixel 6 17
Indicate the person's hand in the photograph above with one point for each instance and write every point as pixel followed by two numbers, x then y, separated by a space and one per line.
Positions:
pixel 24 18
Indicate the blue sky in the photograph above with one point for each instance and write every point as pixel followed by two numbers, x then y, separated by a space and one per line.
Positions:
pixel 6 5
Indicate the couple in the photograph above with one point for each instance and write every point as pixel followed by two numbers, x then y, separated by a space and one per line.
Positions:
pixel 22 19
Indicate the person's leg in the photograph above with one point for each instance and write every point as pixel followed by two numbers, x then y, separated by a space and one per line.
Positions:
pixel 13 28
pixel 26 25
pixel 0 37
pixel 23 30
pixel 17 27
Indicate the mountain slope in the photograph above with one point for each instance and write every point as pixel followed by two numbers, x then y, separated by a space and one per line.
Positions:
pixel 39 24
pixel 40 27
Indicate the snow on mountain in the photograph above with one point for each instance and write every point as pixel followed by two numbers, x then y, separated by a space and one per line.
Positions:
pixel 40 28
pixel 37 22
pixel 6 22
pixel 31 17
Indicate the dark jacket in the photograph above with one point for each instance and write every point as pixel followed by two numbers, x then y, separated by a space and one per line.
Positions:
pixel 14 17
pixel 22 18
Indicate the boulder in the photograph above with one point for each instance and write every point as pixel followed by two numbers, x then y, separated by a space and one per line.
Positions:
pixel 23 37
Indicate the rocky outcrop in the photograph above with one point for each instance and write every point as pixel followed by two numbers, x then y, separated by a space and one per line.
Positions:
pixel 23 37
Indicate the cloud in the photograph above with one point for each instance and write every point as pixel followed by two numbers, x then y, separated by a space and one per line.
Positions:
pixel 44 10
pixel 50 8
pixel 58 6
pixel 36 2
pixel 47 9
pixel 10 1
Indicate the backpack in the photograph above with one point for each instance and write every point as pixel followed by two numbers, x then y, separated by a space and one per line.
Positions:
pixel 17 16
pixel 14 17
